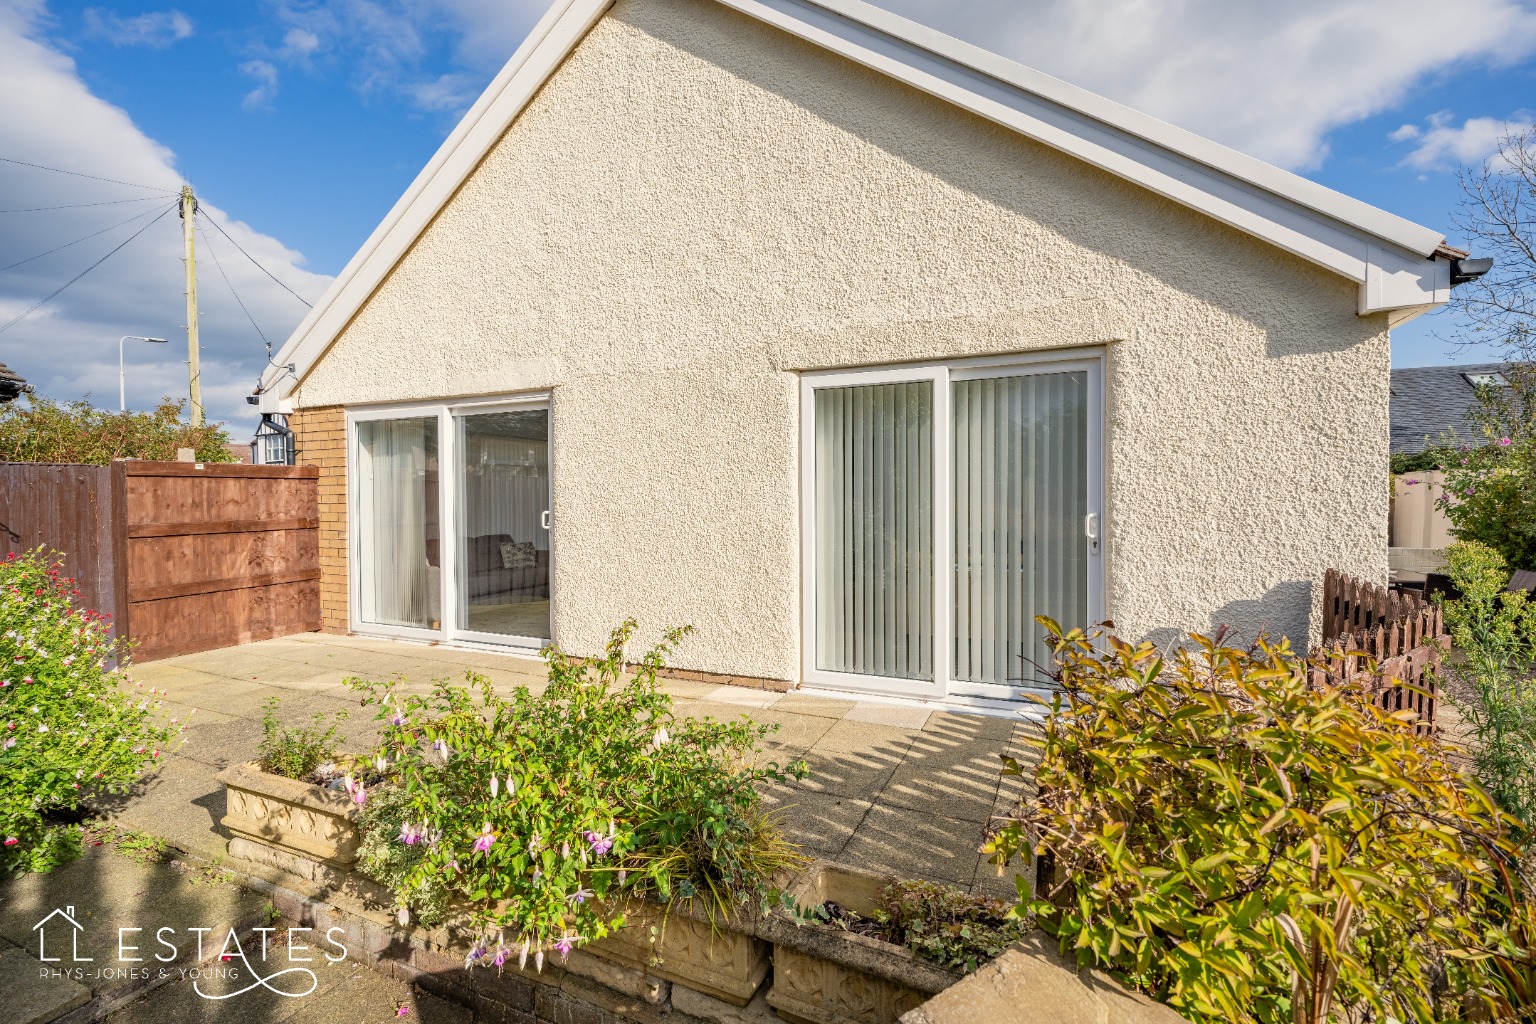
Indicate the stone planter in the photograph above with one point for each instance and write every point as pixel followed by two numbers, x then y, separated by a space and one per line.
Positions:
pixel 718 959
pixel 825 975
pixel 295 826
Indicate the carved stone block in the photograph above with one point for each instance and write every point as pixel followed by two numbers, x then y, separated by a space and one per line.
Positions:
pixel 824 975
pixel 314 823
pixel 686 948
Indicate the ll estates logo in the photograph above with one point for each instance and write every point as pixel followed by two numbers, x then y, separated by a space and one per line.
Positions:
pixel 60 933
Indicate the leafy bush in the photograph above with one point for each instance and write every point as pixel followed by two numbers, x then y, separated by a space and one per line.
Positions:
pixel 1249 848
pixel 294 752
pixel 1490 490
pixel 940 923
pixel 1434 457
pixel 385 858
pixel 1492 675
pixel 73 727
pixel 537 812
pixel 46 431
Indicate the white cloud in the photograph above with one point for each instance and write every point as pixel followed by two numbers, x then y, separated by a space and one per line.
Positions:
pixel 1444 145
pixel 265 76
pixel 68 348
pixel 156 28
pixel 1268 79
pixel 300 43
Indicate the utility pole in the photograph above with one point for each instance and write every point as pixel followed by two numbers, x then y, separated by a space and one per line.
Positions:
pixel 194 374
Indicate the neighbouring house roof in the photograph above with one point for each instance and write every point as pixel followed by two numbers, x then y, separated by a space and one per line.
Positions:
pixel 1402 268
pixel 12 385
pixel 1430 403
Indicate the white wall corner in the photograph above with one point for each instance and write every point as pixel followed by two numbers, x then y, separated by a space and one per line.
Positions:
pixel 1393 282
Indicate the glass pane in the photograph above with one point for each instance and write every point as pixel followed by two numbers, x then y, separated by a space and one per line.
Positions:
pixel 504 547
pixel 399 573
pixel 1020 499
pixel 874 530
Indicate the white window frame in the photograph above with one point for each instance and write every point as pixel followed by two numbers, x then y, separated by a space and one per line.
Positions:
pixel 941 374
pixel 449 414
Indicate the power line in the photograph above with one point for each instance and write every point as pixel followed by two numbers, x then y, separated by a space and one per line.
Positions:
pixel 79 206
pixel 230 284
pixel 77 241
pixel 79 174
pixel 259 267
pixel 54 294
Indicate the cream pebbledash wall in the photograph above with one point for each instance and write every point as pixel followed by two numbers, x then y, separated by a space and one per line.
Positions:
pixel 696 207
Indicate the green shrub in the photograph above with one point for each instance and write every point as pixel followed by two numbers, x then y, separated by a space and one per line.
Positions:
pixel 72 727
pixel 41 430
pixel 1434 457
pixel 537 811
pixel 294 752
pixel 385 858
pixel 1492 673
pixel 1248 848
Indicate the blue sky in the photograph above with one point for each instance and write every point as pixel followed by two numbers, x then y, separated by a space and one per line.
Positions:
pixel 301 121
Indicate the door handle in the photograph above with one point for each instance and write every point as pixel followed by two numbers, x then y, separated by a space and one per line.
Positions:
pixel 1091 531
pixel 544 519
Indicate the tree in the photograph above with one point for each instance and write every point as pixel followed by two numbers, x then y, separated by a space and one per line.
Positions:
pixel 1497 214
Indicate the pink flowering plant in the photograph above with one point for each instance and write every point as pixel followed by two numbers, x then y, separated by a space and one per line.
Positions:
pixel 535 813
pixel 72 725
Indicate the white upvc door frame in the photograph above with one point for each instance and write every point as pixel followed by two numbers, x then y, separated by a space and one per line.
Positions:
pixel 449 414
pixel 941 374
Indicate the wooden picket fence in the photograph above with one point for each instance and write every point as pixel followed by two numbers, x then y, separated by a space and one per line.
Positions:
pixel 1403 634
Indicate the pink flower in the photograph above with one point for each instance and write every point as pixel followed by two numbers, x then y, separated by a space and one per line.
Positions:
pixel 410 835
pixel 403 916
pixel 403 1011
pixel 486 838
pixel 565 945
pixel 600 843
pixel 1504 442
pixel 11 840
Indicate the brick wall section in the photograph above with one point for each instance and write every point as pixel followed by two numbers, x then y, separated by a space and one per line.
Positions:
pixel 320 436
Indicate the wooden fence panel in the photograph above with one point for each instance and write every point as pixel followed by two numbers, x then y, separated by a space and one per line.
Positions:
pixel 67 508
pixel 1404 634
pixel 219 555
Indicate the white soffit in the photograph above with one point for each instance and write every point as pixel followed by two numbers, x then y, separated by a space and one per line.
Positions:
pixel 1391 258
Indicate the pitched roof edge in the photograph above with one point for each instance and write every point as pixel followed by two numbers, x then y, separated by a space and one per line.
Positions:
pixel 1398 263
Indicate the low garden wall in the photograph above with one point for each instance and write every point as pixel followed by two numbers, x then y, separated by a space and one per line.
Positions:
pixel 293 840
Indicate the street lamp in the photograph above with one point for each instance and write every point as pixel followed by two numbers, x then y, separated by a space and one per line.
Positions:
pixel 122 394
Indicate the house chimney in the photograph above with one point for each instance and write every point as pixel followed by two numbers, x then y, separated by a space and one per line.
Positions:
pixel 70 911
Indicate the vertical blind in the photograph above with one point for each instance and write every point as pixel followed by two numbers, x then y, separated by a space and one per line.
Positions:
pixel 1020 498
pixel 874 529
pixel 398 577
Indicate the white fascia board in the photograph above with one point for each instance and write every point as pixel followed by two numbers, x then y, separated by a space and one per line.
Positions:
pixel 1389 256
pixel 545 49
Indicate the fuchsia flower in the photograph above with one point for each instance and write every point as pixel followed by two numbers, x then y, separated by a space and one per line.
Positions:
pixel 410 835
pixel 579 896
pixel 11 840
pixel 399 719
pixel 501 956
pixel 486 838
pixel 403 916
pixel 1504 442
pixel 599 843
pixel 565 945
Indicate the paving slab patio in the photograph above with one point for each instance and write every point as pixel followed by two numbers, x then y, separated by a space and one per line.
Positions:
pixel 900 787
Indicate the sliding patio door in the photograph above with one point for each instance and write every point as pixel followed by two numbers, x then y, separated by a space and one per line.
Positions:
pixel 450 521
pixel 947 506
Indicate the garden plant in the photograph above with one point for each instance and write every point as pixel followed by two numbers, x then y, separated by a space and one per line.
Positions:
pixel 1247 845
pixel 297 751
pixel 74 725
pixel 1492 674
pixel 535 815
